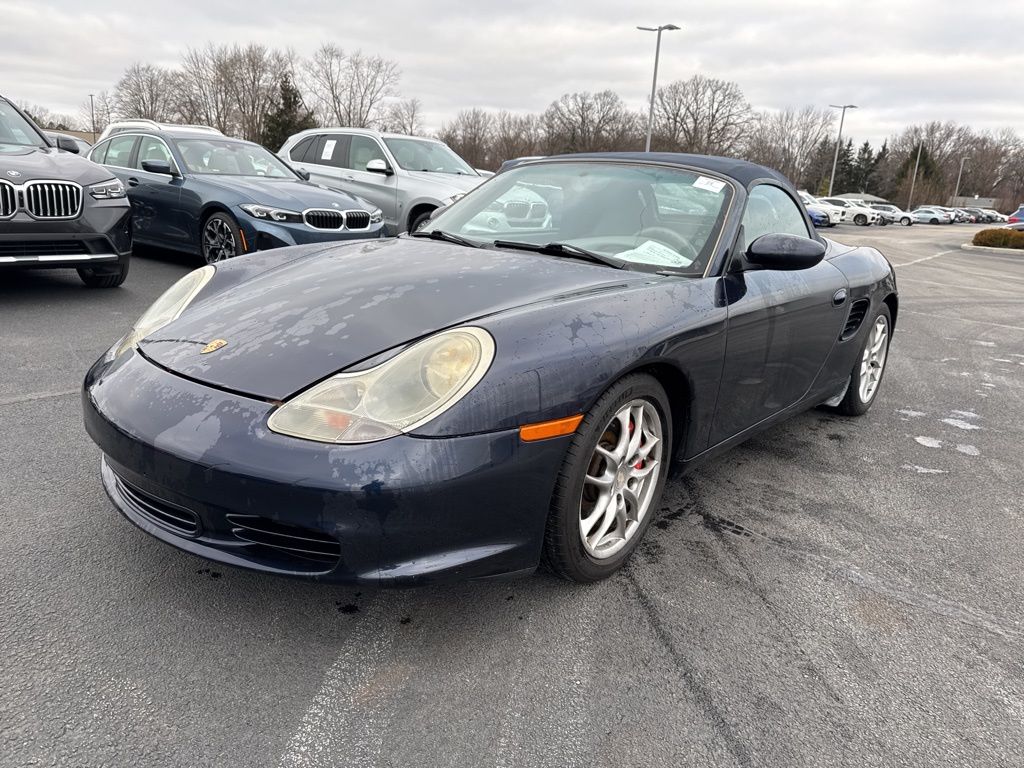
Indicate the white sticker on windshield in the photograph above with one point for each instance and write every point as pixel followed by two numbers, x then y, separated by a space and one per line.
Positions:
pixel 328 149
pixel 651 252
pixel 711 185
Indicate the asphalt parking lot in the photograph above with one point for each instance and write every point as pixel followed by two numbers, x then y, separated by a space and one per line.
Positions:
pixel 834 592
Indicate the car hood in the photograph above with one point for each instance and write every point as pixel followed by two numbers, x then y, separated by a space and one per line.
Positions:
pixel 299 322
pixel 31 163
pixel 447 184
pixel 291 194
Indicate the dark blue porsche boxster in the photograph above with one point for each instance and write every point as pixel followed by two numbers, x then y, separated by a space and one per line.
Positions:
pixel 195 190
pixel 500 388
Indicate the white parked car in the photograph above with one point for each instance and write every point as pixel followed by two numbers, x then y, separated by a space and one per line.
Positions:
pixel 998 216
pixel 927 215
pixel 893 214
pixel 860 214
pixel 835 213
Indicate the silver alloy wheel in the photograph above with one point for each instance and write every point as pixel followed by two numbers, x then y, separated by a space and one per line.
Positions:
pixel 621 479
pixel 218 241
pixel 872 363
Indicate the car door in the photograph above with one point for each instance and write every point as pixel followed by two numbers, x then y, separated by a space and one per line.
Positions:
pixel 381 189
pixel 155 196
pixel 782 324
pixel 324 160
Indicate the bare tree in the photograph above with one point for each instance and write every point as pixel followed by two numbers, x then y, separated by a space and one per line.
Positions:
pixel 702 115
pixel 514 136
pixel 145 91
pixel 469 134
pixel 786 140
pixel 203 91
pixel 405 116
pixel 589 122
pixel 350 88
pixel 253 85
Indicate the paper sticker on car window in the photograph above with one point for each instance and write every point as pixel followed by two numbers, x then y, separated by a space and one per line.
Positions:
pixel 328 149
pixel 711 185
pixel 652 252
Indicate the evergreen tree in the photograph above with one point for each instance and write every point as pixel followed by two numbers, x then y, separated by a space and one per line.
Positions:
pixel 289 116
pixel 863 168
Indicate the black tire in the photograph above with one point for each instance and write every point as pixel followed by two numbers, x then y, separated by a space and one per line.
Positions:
pixel 934 221
pixel 225 226
pixel 852 404
pixel 93 278
pixel 564 553
pixel 906 221
pixel 860 220
pixel 419 220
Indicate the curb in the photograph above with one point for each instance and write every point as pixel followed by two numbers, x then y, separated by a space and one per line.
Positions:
pixel 990 249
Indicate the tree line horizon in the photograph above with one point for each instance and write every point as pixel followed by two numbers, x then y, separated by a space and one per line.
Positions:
pixel 264 94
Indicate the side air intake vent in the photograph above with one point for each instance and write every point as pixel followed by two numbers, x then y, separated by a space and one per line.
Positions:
pixel 291 540
pixel 858 310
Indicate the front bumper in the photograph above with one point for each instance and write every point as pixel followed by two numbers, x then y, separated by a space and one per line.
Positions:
pixel 197 468
pixel 262 235
pixel 100 236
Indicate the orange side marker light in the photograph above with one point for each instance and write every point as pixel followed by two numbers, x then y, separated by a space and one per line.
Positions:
pixel 529 433
pixel 245 245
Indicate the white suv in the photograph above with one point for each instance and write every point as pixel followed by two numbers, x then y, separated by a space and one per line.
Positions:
pixel 858 214
pixel 835 213
pixel 407 177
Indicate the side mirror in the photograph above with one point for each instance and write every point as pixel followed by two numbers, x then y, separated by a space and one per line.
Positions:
pixel 158 166
pixel 63 142
pixel 303 173
pixel 379 166
pixel 788 252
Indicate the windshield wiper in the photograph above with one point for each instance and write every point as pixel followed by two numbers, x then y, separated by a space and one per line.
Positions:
pixel 448 237
pixel 564 249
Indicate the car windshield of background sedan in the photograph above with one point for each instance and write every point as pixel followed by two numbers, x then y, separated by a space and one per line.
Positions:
pixel 649 216
pixel 231 158
pixel 15 132
pixel 432 156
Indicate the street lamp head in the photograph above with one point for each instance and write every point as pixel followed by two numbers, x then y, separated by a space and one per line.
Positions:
pixel 843 106
pixel 669 26
pixel 663 27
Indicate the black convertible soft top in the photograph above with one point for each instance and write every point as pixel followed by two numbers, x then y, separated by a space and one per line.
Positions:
pixel 741 170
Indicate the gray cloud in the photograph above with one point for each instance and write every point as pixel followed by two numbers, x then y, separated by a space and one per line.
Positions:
pixel 902 62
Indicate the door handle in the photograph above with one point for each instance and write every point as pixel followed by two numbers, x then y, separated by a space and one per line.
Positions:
pixel 133 182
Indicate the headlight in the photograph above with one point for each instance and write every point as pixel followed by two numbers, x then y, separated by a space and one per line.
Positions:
pixel 107 190
pixel 397 396
pixel 452 199
pixel 165 309
pixel 376 216
pixel 274 214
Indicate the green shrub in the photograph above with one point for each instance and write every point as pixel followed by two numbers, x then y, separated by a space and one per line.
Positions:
pixel 1000 238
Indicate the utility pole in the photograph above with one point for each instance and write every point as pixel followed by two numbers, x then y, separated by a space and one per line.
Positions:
pixel 654 83
pixel 913 180
pixel 956 192
pixel 839 141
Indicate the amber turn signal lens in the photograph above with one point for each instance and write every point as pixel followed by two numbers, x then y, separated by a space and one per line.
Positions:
pixel 528 433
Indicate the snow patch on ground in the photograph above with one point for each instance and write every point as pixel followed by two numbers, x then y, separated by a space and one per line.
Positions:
pixel 970 450
pixel 929 442
pixel 924 470
pixel 960 424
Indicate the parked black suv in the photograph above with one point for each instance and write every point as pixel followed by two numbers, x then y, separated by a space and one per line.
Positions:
pixel 58 209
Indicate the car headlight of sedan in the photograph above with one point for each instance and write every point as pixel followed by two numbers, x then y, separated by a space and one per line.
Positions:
pixel 168 307
pixel 107 190
pixel 271 213
pixel 408 390
pixel 376 216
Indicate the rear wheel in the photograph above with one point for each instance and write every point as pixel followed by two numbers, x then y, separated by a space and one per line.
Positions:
pixel 905 221
pixel 860 220
pixel 934 221
pixel 93 278
pixel 220 238
pixel 867 373
pixel 610 482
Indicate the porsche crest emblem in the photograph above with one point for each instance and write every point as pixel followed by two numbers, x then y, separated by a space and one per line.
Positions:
pixel 213 346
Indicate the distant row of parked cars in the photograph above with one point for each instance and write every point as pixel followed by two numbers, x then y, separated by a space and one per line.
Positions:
pixel 830 211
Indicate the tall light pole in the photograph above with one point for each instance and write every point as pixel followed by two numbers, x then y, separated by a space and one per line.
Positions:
pixel 956 192
pixel 839 141
pixel 654 84
pixel 913 180
pixel 92 117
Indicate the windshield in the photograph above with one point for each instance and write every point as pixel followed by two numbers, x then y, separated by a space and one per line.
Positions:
pixel 655 217
pixel 15 130
pixel 231 158
pixel 432 156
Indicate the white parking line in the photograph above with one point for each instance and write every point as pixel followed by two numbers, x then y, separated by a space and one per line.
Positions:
pixel 37 396
pixel 927 258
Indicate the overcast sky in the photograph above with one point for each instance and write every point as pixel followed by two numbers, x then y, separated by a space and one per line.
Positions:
pixel 902 61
